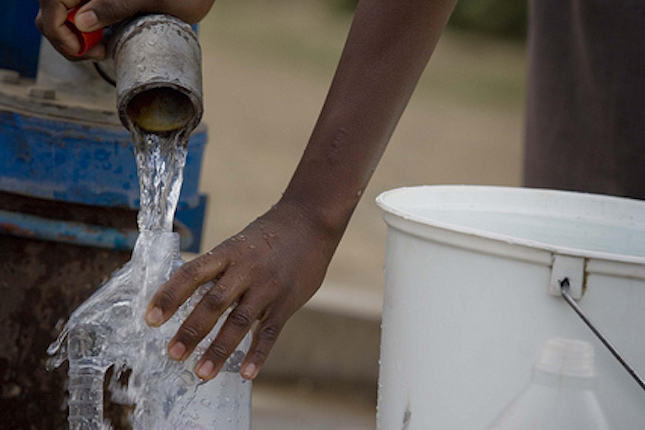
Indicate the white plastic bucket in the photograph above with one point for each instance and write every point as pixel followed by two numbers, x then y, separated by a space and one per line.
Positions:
pixel 471 297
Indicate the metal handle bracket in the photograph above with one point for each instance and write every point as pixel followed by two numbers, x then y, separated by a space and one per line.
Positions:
pixel 570 268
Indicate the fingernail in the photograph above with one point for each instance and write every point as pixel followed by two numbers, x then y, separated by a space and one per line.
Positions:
pixel 249 371
pixel 205 369
pixel 177 351
pixel 154 317
pixel 87 21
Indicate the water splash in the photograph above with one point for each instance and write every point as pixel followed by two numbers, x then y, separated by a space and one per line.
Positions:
pixel 109 331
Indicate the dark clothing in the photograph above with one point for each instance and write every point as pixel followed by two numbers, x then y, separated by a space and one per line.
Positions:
pixel 586 97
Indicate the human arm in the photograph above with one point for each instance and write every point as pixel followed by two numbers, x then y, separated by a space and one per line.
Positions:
pixel 277 263
pixel 97 14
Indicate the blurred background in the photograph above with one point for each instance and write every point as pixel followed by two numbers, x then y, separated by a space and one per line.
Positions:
pixel 267 68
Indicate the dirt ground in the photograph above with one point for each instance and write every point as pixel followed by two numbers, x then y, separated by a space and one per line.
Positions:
pixel 267 69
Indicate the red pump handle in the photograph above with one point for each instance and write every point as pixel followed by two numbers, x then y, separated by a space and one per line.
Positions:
pixel 86 40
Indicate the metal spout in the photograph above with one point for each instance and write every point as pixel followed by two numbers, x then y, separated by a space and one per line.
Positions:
pixel 157 60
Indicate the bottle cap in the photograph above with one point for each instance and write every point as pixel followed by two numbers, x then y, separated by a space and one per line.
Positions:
pixel 86 40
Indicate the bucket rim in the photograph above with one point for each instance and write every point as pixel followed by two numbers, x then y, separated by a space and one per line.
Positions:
pixel 392 213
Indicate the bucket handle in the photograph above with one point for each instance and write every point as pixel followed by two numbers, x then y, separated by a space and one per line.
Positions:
pixel 564 290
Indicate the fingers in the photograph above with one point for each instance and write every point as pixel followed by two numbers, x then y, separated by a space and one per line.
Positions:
pixel 253 304
pixel 236 326
pixel 98 14
pixel 51 20
pixel 182 284
pixel 267 280
pixel 203 318
pixel 264 338
pixel 92 16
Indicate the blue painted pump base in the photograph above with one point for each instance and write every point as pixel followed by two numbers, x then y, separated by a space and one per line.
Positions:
pixel 82 163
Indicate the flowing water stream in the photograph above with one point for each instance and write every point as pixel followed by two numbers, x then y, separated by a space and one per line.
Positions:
pixel 108 330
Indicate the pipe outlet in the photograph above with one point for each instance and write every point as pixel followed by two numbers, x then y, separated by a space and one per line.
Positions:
pixel 157 60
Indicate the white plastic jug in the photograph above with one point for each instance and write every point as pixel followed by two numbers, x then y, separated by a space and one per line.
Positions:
pixel 561 394
pixel 472 293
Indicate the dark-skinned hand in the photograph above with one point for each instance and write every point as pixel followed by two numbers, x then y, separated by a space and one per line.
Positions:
pixel 266 273
pixel 98 14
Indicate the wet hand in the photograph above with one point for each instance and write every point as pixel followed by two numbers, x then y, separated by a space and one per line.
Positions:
pixel 265 273
pixel 97 14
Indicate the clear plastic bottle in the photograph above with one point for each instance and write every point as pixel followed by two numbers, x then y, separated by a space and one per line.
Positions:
pixel 561 394
pixel 221 404
pixel 109 330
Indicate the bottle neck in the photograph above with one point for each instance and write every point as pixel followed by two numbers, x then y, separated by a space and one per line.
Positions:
pixel 563 381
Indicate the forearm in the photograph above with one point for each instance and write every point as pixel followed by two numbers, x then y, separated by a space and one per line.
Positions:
pixel 277 263
pixel 388 47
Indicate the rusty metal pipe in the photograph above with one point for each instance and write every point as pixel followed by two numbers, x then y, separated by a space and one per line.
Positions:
pixel 157 61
